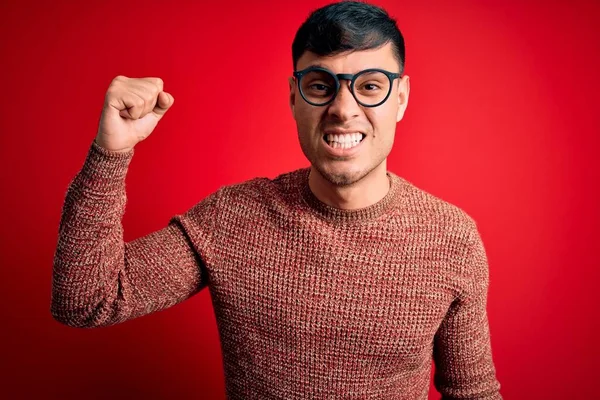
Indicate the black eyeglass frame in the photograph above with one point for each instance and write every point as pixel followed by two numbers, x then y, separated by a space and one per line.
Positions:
pixel 350 77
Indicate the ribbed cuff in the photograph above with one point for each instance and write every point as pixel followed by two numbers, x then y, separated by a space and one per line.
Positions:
pixel 104 168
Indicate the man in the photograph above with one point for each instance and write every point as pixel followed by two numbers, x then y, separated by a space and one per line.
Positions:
pixel 341 280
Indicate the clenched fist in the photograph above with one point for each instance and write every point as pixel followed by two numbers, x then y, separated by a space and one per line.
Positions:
pixel 132 108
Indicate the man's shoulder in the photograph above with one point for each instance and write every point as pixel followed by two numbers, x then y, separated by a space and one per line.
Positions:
pixel 264 189
pixel 253 201
pixel 426 207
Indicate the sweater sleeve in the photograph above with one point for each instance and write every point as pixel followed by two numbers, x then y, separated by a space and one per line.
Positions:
pixel 464 368
pixel 98 279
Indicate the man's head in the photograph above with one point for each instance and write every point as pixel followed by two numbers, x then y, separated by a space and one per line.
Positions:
pixel 346 38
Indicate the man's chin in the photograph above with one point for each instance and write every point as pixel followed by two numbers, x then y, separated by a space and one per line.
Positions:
pixel 339 176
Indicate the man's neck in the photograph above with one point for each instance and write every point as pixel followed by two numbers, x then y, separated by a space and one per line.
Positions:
pixel 366 192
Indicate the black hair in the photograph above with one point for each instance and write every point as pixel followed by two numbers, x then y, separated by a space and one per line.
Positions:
pixel 348 26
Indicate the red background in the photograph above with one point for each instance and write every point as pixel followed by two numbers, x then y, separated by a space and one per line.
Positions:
pixel 502 121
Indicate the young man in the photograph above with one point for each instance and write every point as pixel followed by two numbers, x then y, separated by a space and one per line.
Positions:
pixel 341 280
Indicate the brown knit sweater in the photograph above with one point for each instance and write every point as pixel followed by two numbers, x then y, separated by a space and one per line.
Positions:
pixel 311 302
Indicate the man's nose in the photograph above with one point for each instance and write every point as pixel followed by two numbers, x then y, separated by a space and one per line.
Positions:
pixel 344 106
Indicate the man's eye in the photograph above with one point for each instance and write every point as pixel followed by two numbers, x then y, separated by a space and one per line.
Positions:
pixel 319 87
pixel 319 90
pixel 370 87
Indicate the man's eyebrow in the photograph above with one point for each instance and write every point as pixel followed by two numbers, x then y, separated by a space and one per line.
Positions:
pixel 317 65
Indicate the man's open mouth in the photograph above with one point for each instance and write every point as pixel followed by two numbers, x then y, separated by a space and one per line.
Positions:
pixel 344 141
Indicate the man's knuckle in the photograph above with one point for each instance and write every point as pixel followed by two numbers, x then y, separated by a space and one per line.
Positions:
pixel 112 92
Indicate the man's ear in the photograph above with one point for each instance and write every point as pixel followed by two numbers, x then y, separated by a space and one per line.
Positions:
pixel 403 92
pixel 292 83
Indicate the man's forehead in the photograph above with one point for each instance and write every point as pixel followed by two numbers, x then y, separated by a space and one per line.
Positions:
pixel 351 61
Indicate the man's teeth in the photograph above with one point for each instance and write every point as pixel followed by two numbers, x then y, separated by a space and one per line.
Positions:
pixel 346 141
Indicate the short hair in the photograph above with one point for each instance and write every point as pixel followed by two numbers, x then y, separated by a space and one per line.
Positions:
pixel 348 26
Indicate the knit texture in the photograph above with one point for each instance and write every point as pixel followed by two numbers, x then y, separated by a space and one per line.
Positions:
pixel 311 302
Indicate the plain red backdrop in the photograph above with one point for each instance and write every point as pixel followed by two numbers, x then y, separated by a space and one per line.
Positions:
pixel 502 121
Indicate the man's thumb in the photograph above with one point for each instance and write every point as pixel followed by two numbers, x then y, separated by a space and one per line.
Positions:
pixel 164 102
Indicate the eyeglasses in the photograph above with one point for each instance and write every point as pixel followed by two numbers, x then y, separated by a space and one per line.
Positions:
pixel 370 87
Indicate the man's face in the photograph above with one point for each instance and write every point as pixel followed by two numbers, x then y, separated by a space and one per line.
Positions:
pixel 337 163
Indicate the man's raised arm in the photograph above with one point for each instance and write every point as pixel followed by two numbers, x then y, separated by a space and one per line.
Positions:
pixel 98 279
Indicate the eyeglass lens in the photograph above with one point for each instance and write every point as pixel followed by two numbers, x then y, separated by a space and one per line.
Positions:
pixel 370 88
